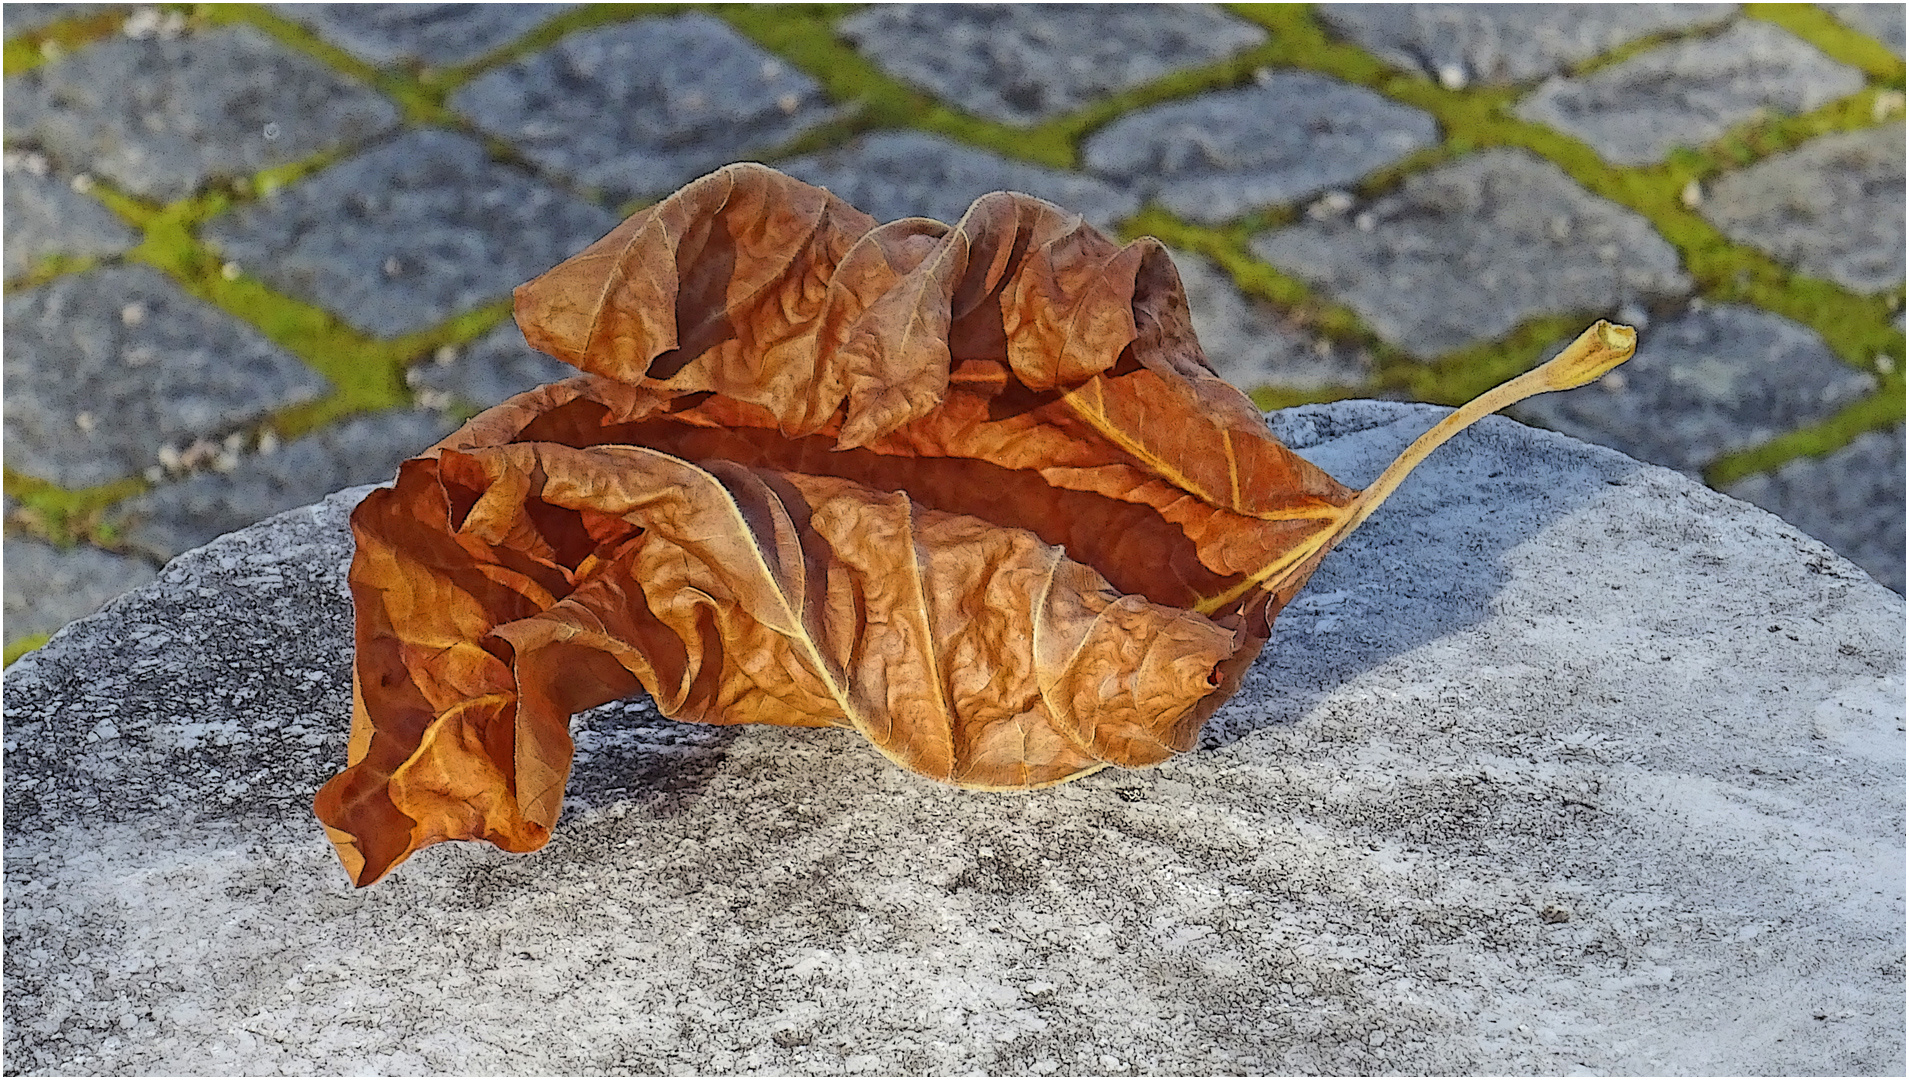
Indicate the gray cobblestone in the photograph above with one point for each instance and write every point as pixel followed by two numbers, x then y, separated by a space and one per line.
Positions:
pixel 1024 63
pixel 159 117
pixel 486 372
pixel 46 217
pixel 1466 252
pixel 177 517
pixel 105 368
pixel 642 108
pixel 1252 345
pixel 898 174
pixel 1219 155
pixel 47 587
pixel 1459 44
pixel 1851 499
pixel 434 34
pixel 1884 22
pixel 1717 378
pixel 1689 93
pixel 407 235
pixel 1832 207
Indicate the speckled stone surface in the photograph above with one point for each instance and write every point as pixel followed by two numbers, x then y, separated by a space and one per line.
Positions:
pixel 643 108
pixel 1528 782
pixel 1832 208
pixel 437 34
pixel 407 235
pixel 898 174
pixel 1024 63
pixel 45 216
pixel 1466 251
pixel 1220 155
pixel 1851 499
pixel 105 368
pixel 1714 379
pixel 1691 92
pixel 1459 44
pixel 181 515
pixel 162 116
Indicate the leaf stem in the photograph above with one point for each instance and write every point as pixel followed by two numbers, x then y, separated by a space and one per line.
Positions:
pixel 1596 351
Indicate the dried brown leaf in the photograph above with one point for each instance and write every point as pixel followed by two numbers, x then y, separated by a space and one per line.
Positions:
pixel 971 490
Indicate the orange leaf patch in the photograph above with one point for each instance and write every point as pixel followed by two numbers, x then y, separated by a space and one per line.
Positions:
pixel 971 490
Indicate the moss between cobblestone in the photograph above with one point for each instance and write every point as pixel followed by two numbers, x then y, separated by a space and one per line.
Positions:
pixel 804 36
pixel 368 373
pixel 1856 327
pixel 1830 36
pixel 418 106
pixel 35 47
pixel 63 517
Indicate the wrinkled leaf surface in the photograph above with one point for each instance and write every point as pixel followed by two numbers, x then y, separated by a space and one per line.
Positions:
pixel 970 490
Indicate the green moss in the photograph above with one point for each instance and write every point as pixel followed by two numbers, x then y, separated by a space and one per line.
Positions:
pixel 1227 247
pixel 22 646
pixel 1880 410
pixel 443 82
pixel 1857 327
pixel 48 267
pixel 804 36
pixel 1837 41
pixel 63 517
pixel 418 104
pixel 1638 46
pixel 29 50
pixel 1270 398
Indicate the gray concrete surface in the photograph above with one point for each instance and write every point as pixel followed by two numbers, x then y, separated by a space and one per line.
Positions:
pixel 1717 378
pixel 1528 781
pixel 1833 207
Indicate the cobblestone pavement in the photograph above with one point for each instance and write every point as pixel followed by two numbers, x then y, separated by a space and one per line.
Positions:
pixel 257 253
